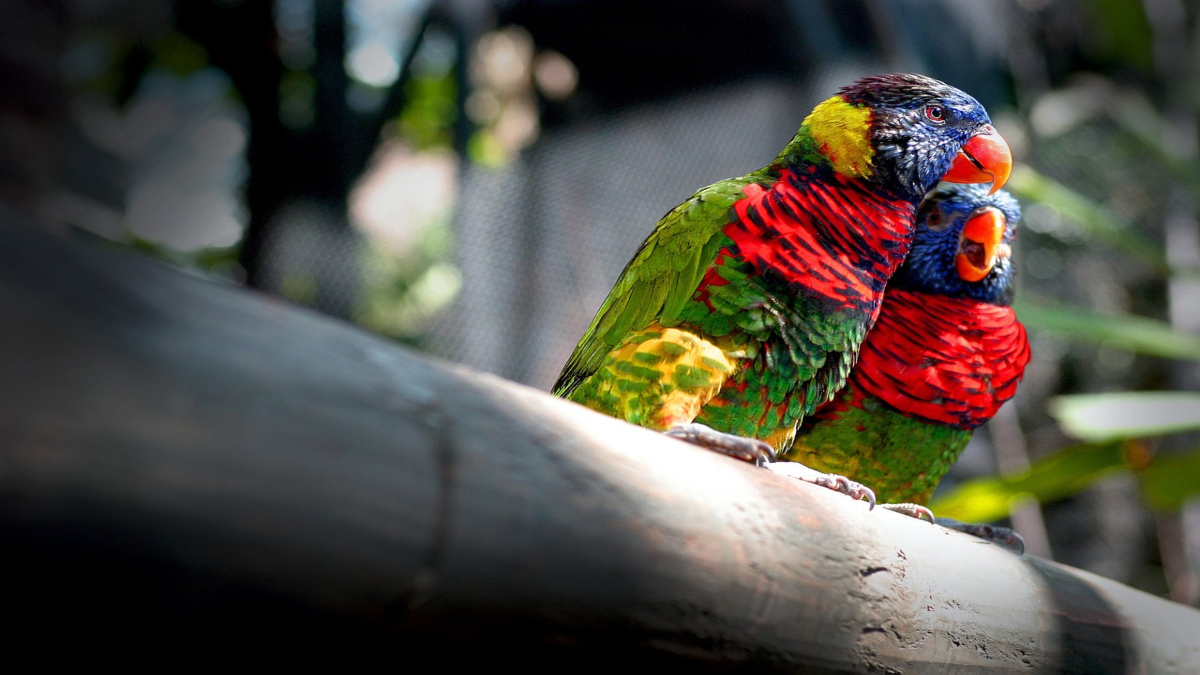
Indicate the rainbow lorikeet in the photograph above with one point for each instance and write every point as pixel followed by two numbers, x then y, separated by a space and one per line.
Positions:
pixel 945 354
pixel 744 309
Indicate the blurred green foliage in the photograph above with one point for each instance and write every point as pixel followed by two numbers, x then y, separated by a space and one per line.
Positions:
pixel 1092 220
pixel 1171 480
pixel 486 150
pixel 1119 331
pixel 404 292
pixel 1100 418
pixel 1115 428
pixel 430 110
pixel 178 54
pixel 1056 476
pixel 398 292
pixel 1127 33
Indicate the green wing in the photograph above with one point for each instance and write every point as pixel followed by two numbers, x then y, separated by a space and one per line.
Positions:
pixel 661 277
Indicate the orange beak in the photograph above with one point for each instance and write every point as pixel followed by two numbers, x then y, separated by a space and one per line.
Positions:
pixel 984 158
pixel 980 244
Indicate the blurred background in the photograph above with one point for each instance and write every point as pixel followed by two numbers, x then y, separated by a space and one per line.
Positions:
pixel 468 177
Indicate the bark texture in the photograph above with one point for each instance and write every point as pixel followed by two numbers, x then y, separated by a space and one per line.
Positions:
pixel 190 466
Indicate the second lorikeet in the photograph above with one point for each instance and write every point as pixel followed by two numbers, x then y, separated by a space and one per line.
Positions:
pixel 945 354
pixel 744 309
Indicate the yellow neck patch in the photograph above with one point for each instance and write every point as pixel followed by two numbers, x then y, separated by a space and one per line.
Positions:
pixel 842 133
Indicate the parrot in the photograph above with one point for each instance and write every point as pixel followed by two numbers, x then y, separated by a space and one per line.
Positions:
pixel 744 308
pixel 945 353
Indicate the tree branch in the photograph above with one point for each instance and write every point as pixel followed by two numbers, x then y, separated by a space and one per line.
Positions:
pixel 193 466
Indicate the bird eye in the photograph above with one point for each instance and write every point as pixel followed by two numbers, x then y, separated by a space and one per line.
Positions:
pixel 934 220
pixel 935 113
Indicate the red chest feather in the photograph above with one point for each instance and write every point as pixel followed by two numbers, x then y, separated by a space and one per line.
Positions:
pixel 947 360
pixel 832 238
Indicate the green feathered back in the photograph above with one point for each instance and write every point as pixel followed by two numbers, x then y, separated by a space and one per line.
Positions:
pixel 662 276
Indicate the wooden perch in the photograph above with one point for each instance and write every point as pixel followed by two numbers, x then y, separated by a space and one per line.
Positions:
pixel 192 466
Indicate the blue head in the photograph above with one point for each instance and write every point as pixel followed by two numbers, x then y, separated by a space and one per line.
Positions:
pixel 924 131
pixel 962 247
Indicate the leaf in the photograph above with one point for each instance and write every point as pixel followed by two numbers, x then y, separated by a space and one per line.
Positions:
pixel 1171 480
pixel 1138 117
pixel 1126 31
pixel 1098 418
pixel 1055 476
pixel 1093 219
pixel 1122 331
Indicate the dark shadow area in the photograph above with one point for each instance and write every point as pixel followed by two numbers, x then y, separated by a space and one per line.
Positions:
pixel 1091 635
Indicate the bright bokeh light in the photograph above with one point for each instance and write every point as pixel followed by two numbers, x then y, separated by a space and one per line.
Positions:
pixel 503 59
pixel 402 193
pixel 555 75
pixel 373 63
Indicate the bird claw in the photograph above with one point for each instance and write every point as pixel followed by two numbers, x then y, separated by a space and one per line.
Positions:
pixel 752 450
pixel 911 510
pixel 852 489
pixel 1006 537
pixel 830 481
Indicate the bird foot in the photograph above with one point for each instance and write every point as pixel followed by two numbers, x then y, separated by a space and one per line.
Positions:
pixel 911 510
pixel 744 448
pixel 1004 536
pixel 831 481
